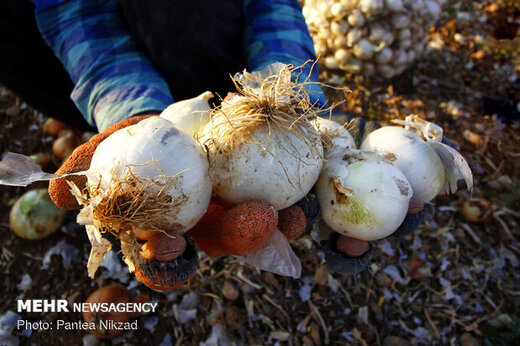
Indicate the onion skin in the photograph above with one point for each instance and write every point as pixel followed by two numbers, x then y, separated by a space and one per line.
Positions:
pixel 35 216
pixel 108 294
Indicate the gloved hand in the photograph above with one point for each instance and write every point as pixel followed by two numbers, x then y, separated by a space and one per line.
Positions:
pixel 169 260
pixel 350 256
pixel 242 229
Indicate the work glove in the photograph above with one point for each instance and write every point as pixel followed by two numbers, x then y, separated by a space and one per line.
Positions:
pixel 242 229
pixel 168 260
pixel 349 256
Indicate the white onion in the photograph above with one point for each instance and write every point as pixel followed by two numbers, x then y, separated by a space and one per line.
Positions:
pixel 342 56
pixel 155 151
pixel 189 115
pixel 356 18
pixel 430 166
pixel 395 5
pixel 419 163
pixel 384 56
pixel 371 7
pixel 268 172
pixel 364 50
pixel 273 156
pixel 362 195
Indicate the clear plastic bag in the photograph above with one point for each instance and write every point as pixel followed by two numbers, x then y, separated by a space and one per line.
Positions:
pixel 276 256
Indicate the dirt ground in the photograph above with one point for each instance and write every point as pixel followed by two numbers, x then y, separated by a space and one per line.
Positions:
pixel 451 282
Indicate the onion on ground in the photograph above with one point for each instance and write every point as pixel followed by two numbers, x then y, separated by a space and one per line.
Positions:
pixel 35 216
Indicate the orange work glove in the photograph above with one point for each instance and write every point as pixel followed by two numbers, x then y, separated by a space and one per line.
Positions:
pixel 242 229
pixel 169 260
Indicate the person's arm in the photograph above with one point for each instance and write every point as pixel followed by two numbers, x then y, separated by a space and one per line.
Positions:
pixel 275 31
pixel 113 77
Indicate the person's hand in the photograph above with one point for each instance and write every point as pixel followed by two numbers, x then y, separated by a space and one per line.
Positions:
pixel 169 260
pixel 349 256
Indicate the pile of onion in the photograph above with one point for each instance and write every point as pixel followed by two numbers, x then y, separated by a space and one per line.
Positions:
pixel 370 37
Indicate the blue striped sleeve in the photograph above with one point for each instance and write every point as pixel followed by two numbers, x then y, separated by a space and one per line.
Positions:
pixel 275 31
pixel 113 77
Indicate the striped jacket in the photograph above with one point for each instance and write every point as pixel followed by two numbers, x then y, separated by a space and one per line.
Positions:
pixel 115 79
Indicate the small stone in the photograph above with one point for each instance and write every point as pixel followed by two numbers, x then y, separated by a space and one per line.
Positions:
pixel 468 340
pixel 383 280
pixel 230 291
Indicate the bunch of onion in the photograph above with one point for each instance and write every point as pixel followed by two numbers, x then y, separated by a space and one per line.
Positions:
pixel 260 141
pixel 370 37
pixel 361 195
pixel 365 194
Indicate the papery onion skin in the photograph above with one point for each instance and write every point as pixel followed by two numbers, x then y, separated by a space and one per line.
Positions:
pixel 418 161
pixel 363 196
pixel 154 149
